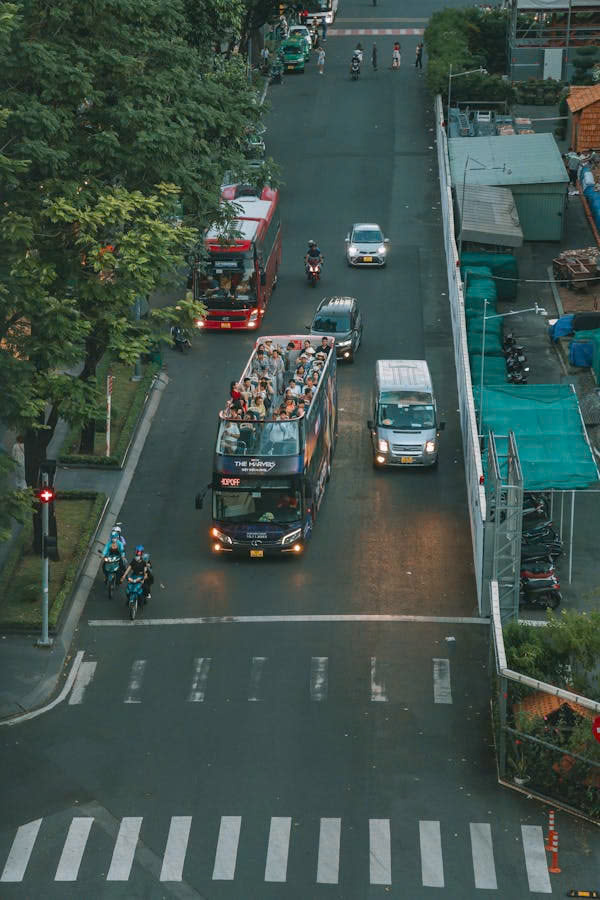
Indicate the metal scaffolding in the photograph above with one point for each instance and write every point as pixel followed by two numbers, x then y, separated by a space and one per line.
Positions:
pixel 505 499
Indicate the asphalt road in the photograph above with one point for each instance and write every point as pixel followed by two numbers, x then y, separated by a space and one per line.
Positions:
pixel 295 758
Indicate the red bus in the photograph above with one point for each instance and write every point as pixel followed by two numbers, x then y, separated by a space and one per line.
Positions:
pixel 236 284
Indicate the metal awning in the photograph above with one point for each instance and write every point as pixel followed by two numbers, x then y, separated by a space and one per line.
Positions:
pixel 490 215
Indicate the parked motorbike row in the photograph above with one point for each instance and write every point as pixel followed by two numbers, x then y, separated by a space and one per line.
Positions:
pixel 516 361
pixel 541 547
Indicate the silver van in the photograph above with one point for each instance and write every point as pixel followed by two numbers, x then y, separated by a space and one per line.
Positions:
pixel 405 428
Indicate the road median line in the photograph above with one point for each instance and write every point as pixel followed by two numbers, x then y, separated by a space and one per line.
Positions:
pixel 258 620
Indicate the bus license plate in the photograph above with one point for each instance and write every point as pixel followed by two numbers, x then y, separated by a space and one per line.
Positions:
pixel 407 459
pixel 367 259
pixel 258 553
pixel 225 324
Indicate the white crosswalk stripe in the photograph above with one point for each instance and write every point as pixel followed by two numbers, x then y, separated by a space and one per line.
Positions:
pixel 442 692
pixel 256 673
pixel 319 678
pixel 378 689
pixel 177 842
pixel 328 864
pixel 380 851
pixel 199 680
pixel 72 854
pixel 122 858
pixel 21 860
pixel 18 857
pixel 136 677
pixel 279 848
pixel 482 851
pixel 85 673
pixel 432 863
pixel 227 847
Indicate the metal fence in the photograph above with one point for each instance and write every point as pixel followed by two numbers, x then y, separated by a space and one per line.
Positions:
pixel 543 734
pixel 468 421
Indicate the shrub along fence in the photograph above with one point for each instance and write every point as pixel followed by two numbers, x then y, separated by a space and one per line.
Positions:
pixel 543 713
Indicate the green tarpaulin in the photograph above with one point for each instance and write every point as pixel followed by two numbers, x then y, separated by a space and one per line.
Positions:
pixel 494 370
pixel 551 439
pixel 502 265
pixel 594 337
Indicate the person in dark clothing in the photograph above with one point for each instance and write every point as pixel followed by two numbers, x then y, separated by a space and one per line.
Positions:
pixel 138 567
pixel 374 57
pixel 419 56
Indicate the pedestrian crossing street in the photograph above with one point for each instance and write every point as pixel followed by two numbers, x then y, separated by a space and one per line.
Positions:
pixel 228 848
pixel 378 682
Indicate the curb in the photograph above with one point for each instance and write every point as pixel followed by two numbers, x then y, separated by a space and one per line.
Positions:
pixel 89 569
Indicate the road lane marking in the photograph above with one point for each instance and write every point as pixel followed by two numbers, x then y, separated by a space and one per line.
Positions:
pixel 378 689
pixel 319 678
pixel 227 847
pixel 177 842
pixel 18 857
pixel 442 691
pixel 482 850
pixel 380 851
pixel 259 620
pixel 82 679
pixel 256 673
pixel 24 717
pixel 328 864
pixel 535 859
pixel 124 851
pixel 136 677
pixel 432 864
pixel 200 677
pixel 72 853
pixel 278 849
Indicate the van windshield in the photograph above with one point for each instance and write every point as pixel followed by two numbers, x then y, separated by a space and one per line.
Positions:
pixel 406 410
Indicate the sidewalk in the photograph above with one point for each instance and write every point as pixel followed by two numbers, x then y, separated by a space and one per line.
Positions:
pixel 31 675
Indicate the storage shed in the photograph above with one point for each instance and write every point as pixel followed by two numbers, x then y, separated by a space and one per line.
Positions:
pixel 488 215
pixel 584 117
pixel 529 164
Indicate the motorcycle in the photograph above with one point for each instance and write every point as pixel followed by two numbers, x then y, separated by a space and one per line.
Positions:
pixel 534 505
pixel 548 598
pixel 111 567
pixel 517 376
pixel 355 68
pixel 313 271
pixel 135 594
pixel 276 74
pixel 181 340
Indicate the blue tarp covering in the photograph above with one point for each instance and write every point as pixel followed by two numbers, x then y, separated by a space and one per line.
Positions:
pixel 562 327
pixel 590 193
pixel 581 353
pixel 551 440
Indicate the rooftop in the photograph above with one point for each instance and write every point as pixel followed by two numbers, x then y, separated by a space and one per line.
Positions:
pixel 583 95
pixel 506 160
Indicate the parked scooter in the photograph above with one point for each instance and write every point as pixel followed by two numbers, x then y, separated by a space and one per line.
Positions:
pixel 534 505
pixel 541 593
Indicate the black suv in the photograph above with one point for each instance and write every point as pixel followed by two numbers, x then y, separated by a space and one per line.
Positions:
pixel 339 318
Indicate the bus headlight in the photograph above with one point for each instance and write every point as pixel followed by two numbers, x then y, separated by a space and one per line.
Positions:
pixel 199 323
pixel 291 537
pixel 224 538
pixel 430 447
pixel 380 459
pixel 383 445
pixel 345 343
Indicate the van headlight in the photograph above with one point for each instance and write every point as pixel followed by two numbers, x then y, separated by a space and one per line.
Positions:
pixel 292 536
pixel 430 447
pixel 382 445
pixel 224 538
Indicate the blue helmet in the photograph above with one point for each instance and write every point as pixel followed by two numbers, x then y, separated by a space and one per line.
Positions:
pixel 114 536
pixel 139 548
pixel 146 557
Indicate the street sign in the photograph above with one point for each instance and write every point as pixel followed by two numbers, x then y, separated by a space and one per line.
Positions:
pixel 596 728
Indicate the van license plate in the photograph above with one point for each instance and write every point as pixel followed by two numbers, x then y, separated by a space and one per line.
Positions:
pixel 367 259
pixel 257 553
pixel 225 324
pixel 407 459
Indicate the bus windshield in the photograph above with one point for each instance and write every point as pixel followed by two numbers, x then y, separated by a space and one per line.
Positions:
pixel 268 501
pixel 228 282
pixel 406 410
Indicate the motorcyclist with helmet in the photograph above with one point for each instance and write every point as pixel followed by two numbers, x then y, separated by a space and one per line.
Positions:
pixel 138 567
pixel 115 546
pixel 313 253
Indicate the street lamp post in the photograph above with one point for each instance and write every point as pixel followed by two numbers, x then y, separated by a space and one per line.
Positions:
pixel 538 310
pixel 452 75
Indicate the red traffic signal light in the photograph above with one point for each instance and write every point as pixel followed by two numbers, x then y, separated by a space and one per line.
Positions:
pixel 46 494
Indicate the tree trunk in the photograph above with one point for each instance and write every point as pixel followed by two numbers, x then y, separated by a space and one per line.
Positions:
pixel 88 431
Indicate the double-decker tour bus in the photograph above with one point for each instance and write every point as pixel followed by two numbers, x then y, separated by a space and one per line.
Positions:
pixel 319 10
pixel 270 473
pixel 241 273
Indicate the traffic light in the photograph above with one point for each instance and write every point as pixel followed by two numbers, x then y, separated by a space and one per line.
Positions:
pixel 46 494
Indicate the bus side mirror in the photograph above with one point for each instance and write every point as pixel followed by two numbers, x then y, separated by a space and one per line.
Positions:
pixel 441 426
pixel 263 277
pixel 199 501
pixel 370 424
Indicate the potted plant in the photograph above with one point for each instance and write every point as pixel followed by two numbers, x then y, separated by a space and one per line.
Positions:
pixel 518 763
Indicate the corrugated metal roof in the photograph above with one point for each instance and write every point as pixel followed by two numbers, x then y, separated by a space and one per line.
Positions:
pixel 506 160
pixel 490 215
pixel 581 95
